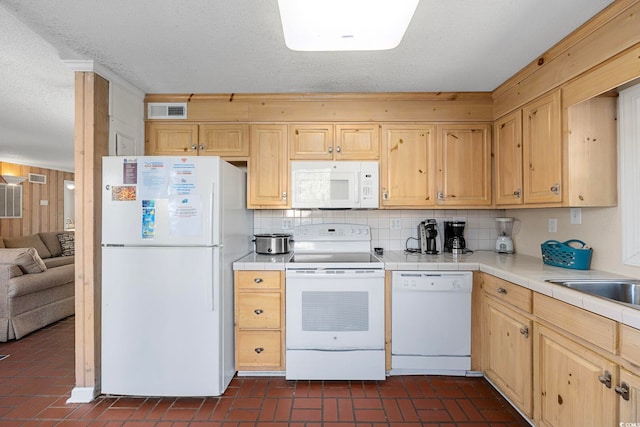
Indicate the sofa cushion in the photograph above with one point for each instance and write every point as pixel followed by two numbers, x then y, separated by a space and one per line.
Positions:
pixel 58 261
pixel 67 242
pixel 50 239
pixel 30 241
pixel 25 258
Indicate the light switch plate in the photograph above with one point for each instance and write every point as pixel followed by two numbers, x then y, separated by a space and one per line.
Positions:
pixel 553 225
pixel 287 223
pixel 396 224
pixel 576 215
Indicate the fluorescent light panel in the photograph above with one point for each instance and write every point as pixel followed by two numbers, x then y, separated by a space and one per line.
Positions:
pixel 13 180
pixel 337 25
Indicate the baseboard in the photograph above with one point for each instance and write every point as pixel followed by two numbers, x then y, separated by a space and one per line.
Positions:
pixel 83 395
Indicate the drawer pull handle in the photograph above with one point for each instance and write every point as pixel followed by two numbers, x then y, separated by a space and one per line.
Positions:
pixel 502 291
pixel 258 311
pixel 623 390
pixel 257 280
pixel 605 379
pixel 258 350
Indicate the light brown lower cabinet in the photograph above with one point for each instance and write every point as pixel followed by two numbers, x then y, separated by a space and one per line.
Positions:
pixel 507 345
pixel 259 320
pixel 574 384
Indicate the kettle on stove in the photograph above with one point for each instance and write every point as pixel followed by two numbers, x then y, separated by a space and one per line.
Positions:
pixel 427 235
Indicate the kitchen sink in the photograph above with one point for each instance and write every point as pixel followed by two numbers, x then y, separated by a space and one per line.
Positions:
pixel 624 291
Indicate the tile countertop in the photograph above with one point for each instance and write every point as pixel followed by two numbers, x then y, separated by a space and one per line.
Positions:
pixel 527 271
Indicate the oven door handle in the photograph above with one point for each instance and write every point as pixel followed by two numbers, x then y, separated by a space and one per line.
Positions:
pixel 327 274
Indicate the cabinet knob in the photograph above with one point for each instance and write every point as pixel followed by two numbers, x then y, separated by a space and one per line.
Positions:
pixel 284 195
pixel 623 390
pixel 330 149
pixel 194 147
pixel 258 280
pixel 517 193
pixel 258 350
pixel 201 147
pixel 555 189
pixel 605 379
pixel 385 196
pixel 525 331
pixel 338 149
pixel 502 291
pixel 258 311
pixel 440 196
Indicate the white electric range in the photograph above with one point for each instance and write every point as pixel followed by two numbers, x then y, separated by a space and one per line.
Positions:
pixel 335 305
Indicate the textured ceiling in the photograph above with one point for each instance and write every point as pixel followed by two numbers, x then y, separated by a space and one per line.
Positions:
pixel 224 46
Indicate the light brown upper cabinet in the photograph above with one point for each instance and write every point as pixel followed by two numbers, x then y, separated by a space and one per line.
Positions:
pixel 507 150
pixel 268 167
pixel 324 141
pixel 171 139
pixel 591 178
pixel 230 141
pixel 464 162
pixel 542 150
pixel 407 176
pixel 224 140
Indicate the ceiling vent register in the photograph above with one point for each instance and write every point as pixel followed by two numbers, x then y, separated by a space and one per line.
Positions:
pixel 167 110
pixel 36 178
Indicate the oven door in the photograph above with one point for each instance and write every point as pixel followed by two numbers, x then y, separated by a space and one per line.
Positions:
pixel 335 309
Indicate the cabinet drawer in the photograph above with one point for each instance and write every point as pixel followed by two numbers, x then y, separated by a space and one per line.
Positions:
pixel 258 349
pixel 591 327
pixel 259 310
pixel 270 279
pixel 508 292
pixel 630 344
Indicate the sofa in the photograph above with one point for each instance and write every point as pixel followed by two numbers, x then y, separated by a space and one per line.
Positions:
pixel 37 275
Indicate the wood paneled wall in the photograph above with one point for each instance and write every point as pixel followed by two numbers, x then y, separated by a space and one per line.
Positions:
pixel 36 217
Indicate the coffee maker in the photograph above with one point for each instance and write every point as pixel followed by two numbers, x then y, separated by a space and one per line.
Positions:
pixel 454 237
pixel 427 235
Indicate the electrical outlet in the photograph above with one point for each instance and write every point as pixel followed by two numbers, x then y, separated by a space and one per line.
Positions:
pixel 576 215
pixel 396 224
pixel 553 225
pixel 287 223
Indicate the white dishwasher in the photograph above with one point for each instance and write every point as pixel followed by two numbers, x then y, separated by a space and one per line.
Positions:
pixel 431 322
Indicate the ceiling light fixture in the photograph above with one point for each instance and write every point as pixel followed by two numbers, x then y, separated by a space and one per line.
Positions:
pixel 339 25
pixel 13 180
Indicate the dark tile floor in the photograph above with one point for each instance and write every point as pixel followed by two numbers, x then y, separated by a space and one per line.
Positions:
pixel 37 377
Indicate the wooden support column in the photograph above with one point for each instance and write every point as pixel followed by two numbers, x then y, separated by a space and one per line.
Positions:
pixel 91 143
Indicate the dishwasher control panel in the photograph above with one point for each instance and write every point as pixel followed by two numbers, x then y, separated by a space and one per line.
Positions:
pixel 432 281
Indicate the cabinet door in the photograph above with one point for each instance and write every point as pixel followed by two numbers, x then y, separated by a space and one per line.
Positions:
pixel 408 165
pixel 508 353
pixel 593 146
pixel 224 140
pixel 542 156
pixel 464 159
pixel 311 142
pixel 629 405
pixel 357 142
pixel 507 150
pixel 569 392
pixel 171 139
pixel 268 167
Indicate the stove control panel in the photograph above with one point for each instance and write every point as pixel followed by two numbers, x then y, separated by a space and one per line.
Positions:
pixel 332 232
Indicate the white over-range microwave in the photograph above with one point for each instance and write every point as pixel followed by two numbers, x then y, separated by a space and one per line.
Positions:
pixel 334 185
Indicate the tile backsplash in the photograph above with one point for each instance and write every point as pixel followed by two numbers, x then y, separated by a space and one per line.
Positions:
pixel 390 229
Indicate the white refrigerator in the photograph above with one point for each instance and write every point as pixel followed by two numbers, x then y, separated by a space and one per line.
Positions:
pixel 171 229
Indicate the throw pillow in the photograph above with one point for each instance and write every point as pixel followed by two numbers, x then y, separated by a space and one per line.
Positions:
pixel 29 241
pixel 67 241
pixel 26 258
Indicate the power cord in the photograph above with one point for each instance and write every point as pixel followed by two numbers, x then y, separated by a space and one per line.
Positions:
pixel 409 250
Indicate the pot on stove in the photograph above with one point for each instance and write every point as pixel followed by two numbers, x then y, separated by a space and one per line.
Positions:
pixel 273 244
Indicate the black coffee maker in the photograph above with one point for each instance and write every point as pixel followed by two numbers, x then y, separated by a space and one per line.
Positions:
pixel 427 234
pixel 454 237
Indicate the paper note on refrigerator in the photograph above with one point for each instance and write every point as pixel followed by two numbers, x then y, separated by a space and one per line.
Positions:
pixel 185 215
